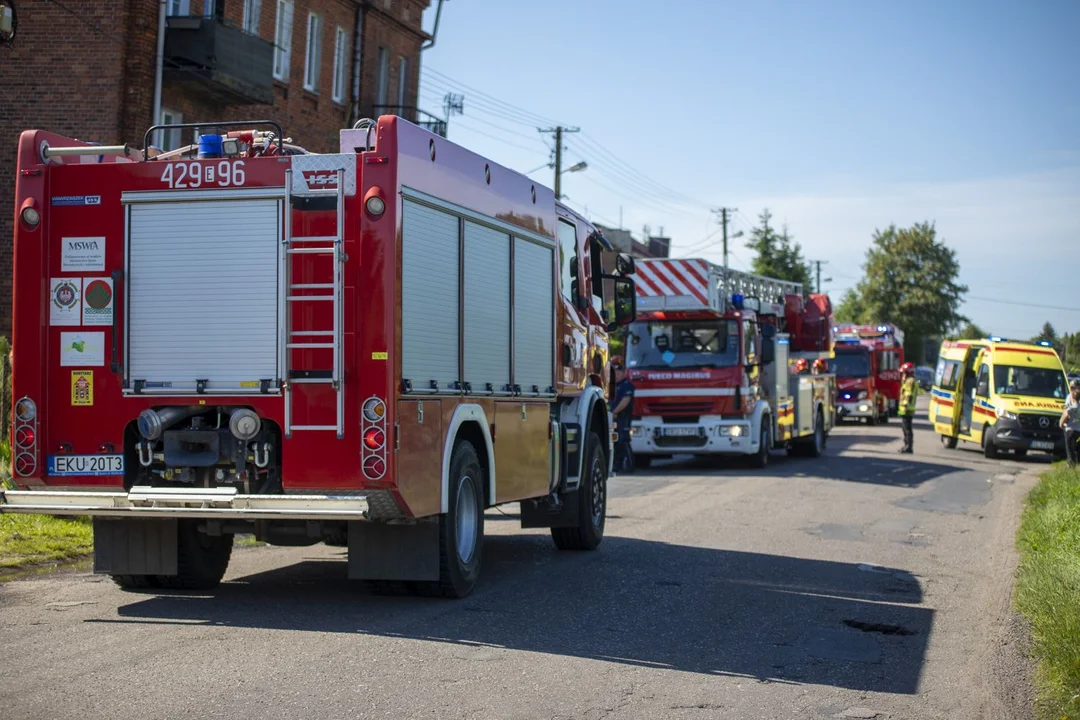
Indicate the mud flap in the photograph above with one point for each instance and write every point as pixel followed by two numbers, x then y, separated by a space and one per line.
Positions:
pixel 384 551
pixel 139 546
pixel 540 513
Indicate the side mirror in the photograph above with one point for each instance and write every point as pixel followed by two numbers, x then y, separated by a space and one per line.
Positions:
pixel 625 302
pixel 624 264
pixel 768 349
pixel 983 388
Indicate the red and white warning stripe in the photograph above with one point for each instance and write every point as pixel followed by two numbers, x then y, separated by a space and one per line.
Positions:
pixel 673 277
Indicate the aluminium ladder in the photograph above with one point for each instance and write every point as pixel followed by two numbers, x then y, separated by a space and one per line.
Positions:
pixel 322 339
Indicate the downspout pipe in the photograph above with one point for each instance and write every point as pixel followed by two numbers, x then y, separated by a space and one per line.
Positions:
pixel 358 56
pixel 159 63
pixel 435 30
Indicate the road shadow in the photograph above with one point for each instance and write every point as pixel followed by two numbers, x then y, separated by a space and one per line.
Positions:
pixel 633 602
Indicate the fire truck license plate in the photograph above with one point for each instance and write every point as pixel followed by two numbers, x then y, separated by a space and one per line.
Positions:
pixel 681 432
pixel 86 464
pixel 1041 445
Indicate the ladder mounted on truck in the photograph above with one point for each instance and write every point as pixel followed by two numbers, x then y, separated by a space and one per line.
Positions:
pixel 697 284
pixel 315 338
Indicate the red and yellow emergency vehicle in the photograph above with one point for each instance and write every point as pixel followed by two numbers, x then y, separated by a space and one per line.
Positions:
pixel 727 363
pixel 866 362
pixel 366 348
pixel 1000 395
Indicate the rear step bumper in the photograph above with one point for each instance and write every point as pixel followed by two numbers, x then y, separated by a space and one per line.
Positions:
pixel 225 503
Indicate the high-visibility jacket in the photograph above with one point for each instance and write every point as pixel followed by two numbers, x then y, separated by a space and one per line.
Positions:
pixel 908 392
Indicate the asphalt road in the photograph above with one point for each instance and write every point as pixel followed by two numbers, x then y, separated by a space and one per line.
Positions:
pixel 861 584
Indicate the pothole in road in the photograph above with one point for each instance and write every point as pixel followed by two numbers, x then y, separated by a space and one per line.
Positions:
pixel 883 628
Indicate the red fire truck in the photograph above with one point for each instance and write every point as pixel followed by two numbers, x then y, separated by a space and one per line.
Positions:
pixel 727 363
pixel 867 367
pixel 366 348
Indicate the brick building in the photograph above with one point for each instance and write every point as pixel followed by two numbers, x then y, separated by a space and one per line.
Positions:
pixel 92 74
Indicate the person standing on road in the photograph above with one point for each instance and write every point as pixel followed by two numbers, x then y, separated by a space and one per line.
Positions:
pixel 1070 421
pixel 622 409
pixel 909 390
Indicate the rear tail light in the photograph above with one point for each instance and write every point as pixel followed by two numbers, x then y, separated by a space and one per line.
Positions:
pixel 29 214
pixel 25 410
pixel 374 438
pixel 373 434
pixel 25 437
pixel 25 450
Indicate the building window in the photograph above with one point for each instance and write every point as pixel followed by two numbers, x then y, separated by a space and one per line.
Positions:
pixel 179 7
pixel 341 50
pixel 402 82
pixel 314 52
pixel 208 8
pixel 283 39
pixel 170 139
pixel 382 79
pixel 252 11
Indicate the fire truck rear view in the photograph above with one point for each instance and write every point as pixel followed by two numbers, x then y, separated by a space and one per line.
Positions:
pixel 727 363
pixel 366 348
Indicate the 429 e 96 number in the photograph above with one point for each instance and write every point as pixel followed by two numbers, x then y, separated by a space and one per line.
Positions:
pixel 197 174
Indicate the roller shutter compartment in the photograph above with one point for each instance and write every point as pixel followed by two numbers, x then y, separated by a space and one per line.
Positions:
pixel 487 308
pixel 202 290
pixel 534 302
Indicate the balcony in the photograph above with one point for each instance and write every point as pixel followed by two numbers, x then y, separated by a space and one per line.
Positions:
pixel 424 119
pixel 219 61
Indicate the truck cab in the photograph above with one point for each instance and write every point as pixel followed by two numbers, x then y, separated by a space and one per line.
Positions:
pixel 1000 395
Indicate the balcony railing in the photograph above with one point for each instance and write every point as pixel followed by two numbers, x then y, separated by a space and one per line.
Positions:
pixel 422 118
pixel 221 61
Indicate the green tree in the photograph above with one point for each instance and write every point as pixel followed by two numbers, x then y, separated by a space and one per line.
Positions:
pixel 911 279
pixel 850 309
pixel 970 331
pixel 1047 334
pixel 777 255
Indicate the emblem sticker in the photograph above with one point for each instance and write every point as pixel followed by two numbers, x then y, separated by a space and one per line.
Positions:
pixel 83 253
pixel 86 349
pixel 82 387
pixel 65 301
pixel 97 308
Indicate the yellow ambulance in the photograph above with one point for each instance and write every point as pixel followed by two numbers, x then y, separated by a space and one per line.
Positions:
pixel 1001 395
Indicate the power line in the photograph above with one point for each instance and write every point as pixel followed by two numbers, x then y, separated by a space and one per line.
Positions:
pixel 1022 304
pixel 446 79
pixel 460 124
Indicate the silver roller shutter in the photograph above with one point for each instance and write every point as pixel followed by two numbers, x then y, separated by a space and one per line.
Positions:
pixel 534 298
pixel 202 294
pixel 487 308
pixel 429 297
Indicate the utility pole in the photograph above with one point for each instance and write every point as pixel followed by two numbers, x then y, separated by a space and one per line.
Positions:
pixel 725 213
pixel 558 130
pixel 818 264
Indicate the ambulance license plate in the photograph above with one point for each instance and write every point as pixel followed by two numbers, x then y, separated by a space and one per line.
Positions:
pixel 680 431
pixel 1042 445
pixel 61 465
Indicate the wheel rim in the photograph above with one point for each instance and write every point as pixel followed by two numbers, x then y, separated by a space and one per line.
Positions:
pixel 466 520
pixel 598 492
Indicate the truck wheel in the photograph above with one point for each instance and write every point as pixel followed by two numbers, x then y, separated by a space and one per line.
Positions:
pixel 135 582
pixel 949 442
pixel 461 528
pixel 592 503
pixel 989 449
pixel 201 559
pixel 760 459
pixel 816 445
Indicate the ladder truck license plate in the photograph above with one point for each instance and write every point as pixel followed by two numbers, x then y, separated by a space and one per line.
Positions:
pixel 61 465
pixel 680 431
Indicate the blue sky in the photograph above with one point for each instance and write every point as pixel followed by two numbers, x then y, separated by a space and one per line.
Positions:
pixel 839 116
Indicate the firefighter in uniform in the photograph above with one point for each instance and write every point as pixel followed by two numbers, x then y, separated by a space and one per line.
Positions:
pixel 909 390
pixel 622 407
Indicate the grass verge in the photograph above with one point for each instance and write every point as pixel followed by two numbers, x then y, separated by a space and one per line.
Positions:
pixel 35 539
pixel 1048 589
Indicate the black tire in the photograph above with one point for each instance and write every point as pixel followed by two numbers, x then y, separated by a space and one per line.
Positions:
pixel 760 459
pixel 459 563
pixel 949 442
pixel 815 445
pixel 592 502
pixel 642 462
pixel 135 582
pixel 989 449
pixel 201 559
pixel 872 420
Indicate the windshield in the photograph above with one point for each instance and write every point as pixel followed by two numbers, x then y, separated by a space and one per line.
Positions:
pixel 682 344
pixel 1034 382
pixel 850 365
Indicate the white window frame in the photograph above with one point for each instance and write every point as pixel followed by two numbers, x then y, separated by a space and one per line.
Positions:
pixel 402 82
pixel 170 139
pixel 208 8
pixel 252 11
pixel 313 52
pixel 283 39
pixel 382 78
pixel 341 51
pixel 179 8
